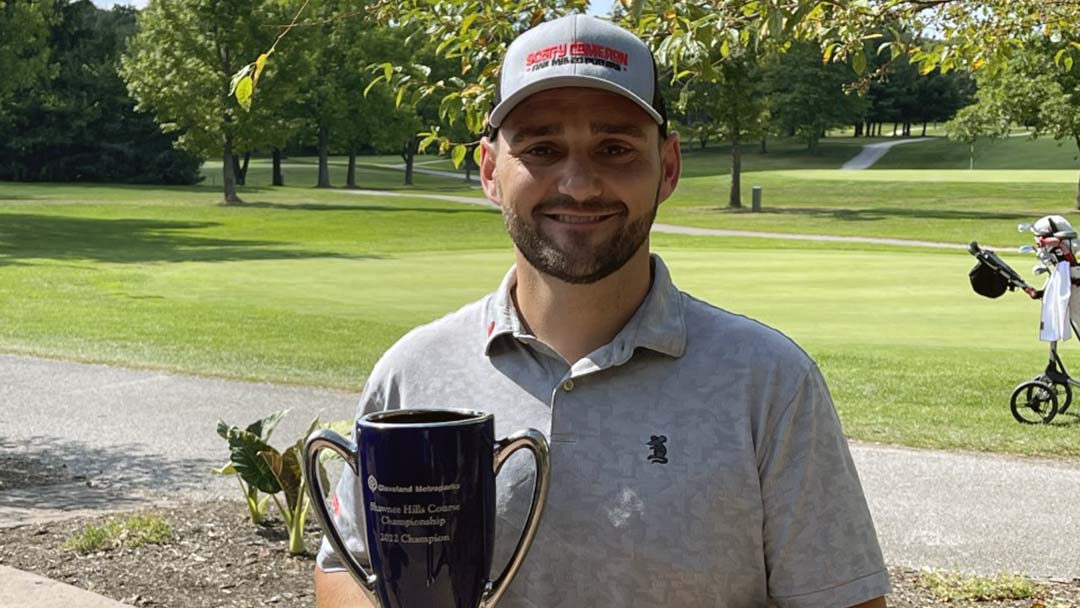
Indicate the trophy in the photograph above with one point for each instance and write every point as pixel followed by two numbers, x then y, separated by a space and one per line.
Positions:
pixel 428 500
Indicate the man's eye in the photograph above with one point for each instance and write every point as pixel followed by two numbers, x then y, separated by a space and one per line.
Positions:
pixel 540 151
pixel 615 150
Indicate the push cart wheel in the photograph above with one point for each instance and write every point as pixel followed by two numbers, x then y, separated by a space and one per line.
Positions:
pixel 1063 390
pixel 1034 403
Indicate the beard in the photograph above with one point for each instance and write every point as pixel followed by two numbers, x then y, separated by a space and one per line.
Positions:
pixel 579 262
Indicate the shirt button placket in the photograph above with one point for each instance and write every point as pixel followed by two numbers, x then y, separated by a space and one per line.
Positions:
pixel 560 425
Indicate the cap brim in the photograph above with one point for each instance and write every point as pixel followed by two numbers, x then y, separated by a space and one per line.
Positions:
pixel 567 80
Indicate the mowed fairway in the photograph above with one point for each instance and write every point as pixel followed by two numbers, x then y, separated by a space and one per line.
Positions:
pixel 307 286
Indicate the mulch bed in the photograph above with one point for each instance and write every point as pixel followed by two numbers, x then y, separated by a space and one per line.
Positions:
pixel 219 559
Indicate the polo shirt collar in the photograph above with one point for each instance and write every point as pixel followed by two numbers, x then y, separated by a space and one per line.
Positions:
pixel 658 324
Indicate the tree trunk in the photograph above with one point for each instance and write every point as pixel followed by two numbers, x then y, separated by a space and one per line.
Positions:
pixel 971 166
pixel 703 141
pixel 858 129
pixel 324 158
pixel 735 197
pixel 469 164
pixel 923 129
pixel 764 145
pixel 408 154
pixel 240 170
pixel 229 177
pixel 279 179
pixel 350 179
pixel 895 126
pixel 236 170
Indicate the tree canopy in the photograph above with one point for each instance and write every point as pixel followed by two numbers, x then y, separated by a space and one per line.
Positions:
pixel 77 122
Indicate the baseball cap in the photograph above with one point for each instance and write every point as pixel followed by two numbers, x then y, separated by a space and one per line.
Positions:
pixel 578 51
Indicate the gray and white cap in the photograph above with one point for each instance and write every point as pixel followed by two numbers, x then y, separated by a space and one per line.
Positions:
pixel 578 51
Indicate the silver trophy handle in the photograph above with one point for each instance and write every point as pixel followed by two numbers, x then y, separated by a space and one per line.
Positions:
pixel 316 442
pixel 535 442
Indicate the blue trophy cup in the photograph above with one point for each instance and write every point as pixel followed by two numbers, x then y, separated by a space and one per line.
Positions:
pixel 428 479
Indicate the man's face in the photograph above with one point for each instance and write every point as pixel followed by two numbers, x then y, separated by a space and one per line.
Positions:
pixel 579 174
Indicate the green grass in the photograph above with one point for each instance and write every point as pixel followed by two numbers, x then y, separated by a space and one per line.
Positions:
pixel 955 587
pixel 310 286
pixel 1018 152
pixel 946 206
pixel 313 294
pixel 281 289
pixel 135 531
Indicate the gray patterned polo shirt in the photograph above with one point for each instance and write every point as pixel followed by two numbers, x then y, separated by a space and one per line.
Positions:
pixel 697 459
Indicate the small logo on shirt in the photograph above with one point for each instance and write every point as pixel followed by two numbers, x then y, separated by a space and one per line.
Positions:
pixel 372 484
pixel 659 450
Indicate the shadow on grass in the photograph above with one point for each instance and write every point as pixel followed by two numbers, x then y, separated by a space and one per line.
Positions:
pixel 1066 420
pixel 872 214
pixel 131 241
pixel 95 477
pixel 376 208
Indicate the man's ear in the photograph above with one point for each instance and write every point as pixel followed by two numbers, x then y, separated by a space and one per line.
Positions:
pixel 487 170
pixel 670 166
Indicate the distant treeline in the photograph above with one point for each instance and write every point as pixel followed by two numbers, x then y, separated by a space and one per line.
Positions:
pixel 77 123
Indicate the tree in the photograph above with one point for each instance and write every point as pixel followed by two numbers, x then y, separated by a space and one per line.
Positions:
pixel 24 50
pixel 732 108
pixel 1039 89
pixel 807 97
pixel 180 64
pixel 944 34
pixel 977 121
pixel 81 124
pixel 693 38
pixel 373 120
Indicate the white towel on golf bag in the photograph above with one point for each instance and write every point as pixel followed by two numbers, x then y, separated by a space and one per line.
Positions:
pixel 1055 305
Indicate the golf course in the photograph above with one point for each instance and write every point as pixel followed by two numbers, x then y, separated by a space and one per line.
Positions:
pixel 309 286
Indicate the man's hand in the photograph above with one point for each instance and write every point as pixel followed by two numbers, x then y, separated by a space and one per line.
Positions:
pixel 338 590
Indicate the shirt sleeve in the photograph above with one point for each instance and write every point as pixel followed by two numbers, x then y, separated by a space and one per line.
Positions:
pixel 345 501
pixel 821 549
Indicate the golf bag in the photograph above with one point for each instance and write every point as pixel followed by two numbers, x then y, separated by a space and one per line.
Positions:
pixel 991 276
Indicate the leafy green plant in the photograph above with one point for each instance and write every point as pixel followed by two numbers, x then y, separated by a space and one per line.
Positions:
pixel 952 586
pixel 262 468
pixel 136 531
pixel 245 464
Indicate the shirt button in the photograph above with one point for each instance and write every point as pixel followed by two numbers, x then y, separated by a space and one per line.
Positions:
pixel 568 385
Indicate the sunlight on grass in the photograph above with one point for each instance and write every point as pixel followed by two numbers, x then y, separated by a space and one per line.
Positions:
pixel 953 587
pixel 135 531
pixel 310 286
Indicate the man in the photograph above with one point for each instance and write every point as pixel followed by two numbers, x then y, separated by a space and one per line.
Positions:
pixel 697 459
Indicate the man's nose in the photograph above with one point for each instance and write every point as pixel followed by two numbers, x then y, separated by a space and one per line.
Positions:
pixel 578 179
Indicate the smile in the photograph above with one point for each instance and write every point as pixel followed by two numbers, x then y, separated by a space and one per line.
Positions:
pixel 579 219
